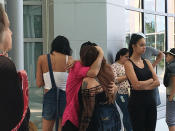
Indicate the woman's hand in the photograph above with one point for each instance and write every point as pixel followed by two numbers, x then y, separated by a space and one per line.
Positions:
pixel 99 49
pixel 113 88
pixel 70 64
pixel 150 81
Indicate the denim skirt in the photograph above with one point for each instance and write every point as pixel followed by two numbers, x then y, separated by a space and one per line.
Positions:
pixel 54 102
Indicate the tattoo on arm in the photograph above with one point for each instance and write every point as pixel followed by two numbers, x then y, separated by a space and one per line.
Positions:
pixel 84 85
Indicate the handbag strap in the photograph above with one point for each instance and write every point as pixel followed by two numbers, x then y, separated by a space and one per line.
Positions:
pixel 51 72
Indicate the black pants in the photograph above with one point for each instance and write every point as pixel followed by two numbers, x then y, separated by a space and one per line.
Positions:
pixel 68 126
pixel 142 110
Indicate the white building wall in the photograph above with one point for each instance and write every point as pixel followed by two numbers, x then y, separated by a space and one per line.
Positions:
pixel 2 1
pixel 98 21
pixel 115 27
pixel 81 21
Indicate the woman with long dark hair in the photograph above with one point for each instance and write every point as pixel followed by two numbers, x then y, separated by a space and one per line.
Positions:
pixel 123 85
pixel 51 75
pixel 98 111
pixel 143 79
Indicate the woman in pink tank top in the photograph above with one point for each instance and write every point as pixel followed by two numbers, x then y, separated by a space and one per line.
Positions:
pixel 77 73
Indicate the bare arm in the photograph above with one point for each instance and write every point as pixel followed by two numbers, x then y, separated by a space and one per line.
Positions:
pixel 158 59
pixel 95 67
pixel 173 89
pixel 117 79
pixel 120 79
pixel 135 83
pixel 70 63
pixel 155 82
pixel 39 74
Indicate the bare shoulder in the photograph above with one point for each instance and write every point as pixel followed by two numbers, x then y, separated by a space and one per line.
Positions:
pixel 89 82
pixel 148 62
pixel 42 57
pixel 42 60
pixel 127 63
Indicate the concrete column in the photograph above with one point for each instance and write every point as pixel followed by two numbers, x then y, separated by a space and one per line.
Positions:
pixel 100 21
pixel 15 13
pixel 81 21
pixel 2 2
pixel 116 25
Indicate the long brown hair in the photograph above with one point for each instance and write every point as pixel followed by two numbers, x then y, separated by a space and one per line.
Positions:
pixel 105 77
pixel 88 55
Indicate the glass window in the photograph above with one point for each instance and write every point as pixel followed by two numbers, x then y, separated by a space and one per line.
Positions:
pixel 149 23
pixel 150 40
pixel 155 37
pixel 160 42
pixel 134 20
pixel 31 53
pixel 171 32
pixel 171 6
pixel 32 22
pixel 160 5
pixel 31 0
pixel 149 5
pixel 133 3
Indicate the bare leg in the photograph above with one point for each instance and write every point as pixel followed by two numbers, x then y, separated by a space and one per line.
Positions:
pixel 172 128
pixel 47 125
pixel 60 127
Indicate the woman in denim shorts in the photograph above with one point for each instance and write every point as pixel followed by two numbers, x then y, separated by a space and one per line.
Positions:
pixel 169 82
pixel 51 74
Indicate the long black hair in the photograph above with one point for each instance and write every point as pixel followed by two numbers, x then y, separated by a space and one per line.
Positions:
pixel 61 44
pixel 133 41
pixel 121 52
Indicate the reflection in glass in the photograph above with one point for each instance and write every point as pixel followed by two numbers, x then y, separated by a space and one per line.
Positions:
pixel 160 5
pixel 133 3
pixel 150 40
pixel 160 42
pixel 149 23
pixel 171 6
pixel 171 32
pixel 149 5
pixel 32 22
pixel 160 20
pixel 134 23
pixel 31 0
pixel 31 53
pixel 155 33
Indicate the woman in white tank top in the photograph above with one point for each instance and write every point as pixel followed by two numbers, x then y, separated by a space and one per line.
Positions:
pixel 59 56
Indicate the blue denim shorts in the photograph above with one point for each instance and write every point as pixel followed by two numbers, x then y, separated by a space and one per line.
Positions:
pixel 53 104
pixel 105 118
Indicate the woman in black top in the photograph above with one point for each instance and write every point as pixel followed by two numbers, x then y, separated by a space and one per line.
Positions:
pixel 143 79
pixel 11 93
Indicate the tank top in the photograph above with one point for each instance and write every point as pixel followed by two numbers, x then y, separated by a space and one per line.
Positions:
pixel 60 79
pixel 142 73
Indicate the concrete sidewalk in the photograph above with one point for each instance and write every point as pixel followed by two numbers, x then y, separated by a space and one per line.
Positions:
pixel 35 104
